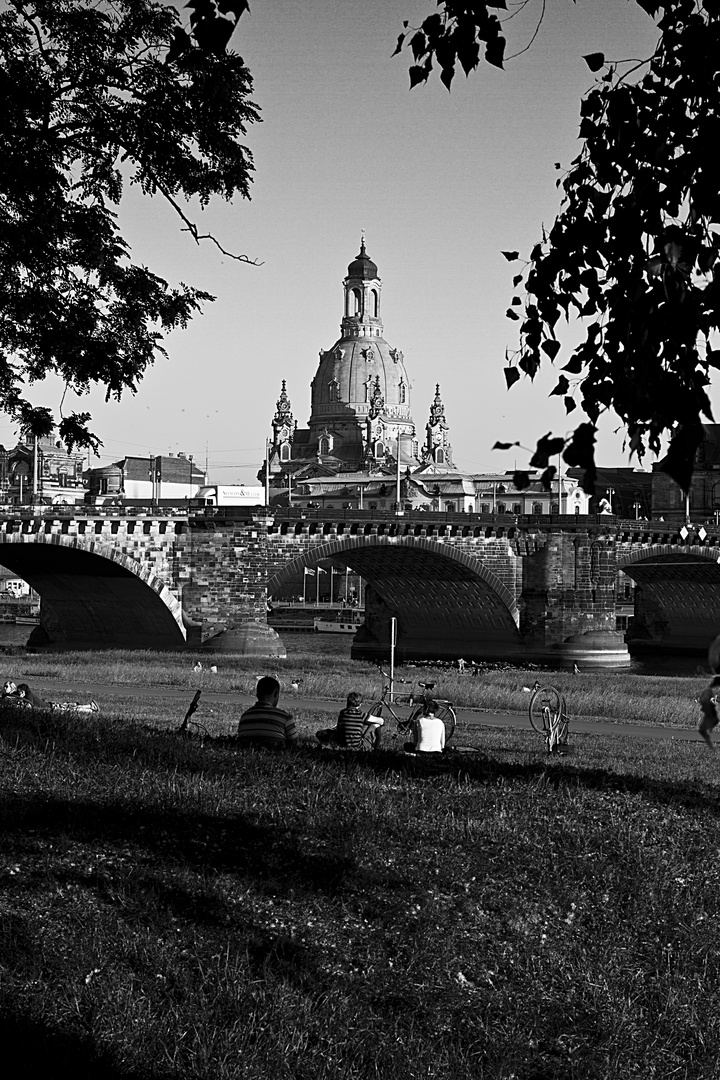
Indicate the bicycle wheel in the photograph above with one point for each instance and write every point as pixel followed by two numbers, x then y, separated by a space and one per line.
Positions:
pixel 406 725
pixel 446 713
pixel 547 706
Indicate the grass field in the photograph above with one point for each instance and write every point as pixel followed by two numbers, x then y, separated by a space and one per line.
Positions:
pixel 175 907
pixel 626 697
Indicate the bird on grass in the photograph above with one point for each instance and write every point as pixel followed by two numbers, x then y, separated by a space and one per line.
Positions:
pixel 531 689
pixel 295 685
pixel 198 666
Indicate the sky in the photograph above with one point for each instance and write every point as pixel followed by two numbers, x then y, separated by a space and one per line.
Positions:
pixel 441 183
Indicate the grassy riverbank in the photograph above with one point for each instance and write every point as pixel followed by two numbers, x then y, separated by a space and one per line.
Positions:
pixel 622 697
pixel 172 909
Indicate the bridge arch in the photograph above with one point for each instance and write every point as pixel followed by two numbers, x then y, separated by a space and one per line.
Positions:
pixel 677 597
pixel 436 592
pixel 659 553
pixel 94 596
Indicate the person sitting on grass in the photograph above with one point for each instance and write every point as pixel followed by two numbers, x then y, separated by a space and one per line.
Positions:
pixel 263 724
pixel 353 731
pixel 429 732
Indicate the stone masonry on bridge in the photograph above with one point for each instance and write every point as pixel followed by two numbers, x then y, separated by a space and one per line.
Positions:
pixel 536 590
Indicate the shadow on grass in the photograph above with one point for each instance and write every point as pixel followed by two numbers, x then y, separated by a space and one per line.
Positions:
pixel 553 772
pixel 268 854
pixel 34 1051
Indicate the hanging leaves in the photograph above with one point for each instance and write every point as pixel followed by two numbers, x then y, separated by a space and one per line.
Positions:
pixel 84 85
pixel 634 254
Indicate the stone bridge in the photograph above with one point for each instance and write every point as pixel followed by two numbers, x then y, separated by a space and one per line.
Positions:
pixel 478 586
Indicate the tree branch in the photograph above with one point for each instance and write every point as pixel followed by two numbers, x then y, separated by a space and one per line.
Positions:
pixel 192 228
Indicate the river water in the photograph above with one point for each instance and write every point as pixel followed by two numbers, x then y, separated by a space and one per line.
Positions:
pixel 338 645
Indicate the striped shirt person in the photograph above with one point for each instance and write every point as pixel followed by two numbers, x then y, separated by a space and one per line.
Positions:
pixel 263 724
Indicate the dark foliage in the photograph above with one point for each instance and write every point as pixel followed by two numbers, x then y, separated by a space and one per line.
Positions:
pixel 634 250
pixel 95 95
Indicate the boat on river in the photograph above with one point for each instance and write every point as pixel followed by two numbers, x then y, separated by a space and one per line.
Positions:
pixel 344 622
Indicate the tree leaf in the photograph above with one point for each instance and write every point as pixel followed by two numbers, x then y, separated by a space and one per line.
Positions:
pixel 547 477
pixel 511 376
pixel 595 60
pixel 505 445
pixel 561 388
pixel 511 256
pixel 547 447
pixel 418 75
pixel 551 348
pixel 521 479
pixel 679 461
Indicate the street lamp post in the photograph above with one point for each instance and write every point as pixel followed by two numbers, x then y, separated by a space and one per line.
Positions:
pixel 398 510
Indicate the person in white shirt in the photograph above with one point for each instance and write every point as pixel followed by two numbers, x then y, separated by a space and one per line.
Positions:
pixel 429 732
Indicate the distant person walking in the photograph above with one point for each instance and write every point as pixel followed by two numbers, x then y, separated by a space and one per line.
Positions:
pixel 264 724
pixel 708 698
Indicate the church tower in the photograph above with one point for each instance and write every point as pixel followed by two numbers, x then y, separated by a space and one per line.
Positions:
pixel 283 426
pixel 437 449
pixel 360 396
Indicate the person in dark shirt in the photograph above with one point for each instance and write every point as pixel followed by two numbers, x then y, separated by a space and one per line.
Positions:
pixel 353 730
pixel 263 724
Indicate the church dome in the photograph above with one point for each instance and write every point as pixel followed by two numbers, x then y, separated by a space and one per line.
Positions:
pixel 347 373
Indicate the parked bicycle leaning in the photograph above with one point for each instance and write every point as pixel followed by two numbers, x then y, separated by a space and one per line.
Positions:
pixel 406 722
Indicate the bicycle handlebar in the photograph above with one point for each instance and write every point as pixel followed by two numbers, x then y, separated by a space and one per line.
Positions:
pixel 425 685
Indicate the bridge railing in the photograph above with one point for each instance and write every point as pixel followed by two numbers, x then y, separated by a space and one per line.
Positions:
pixel 414 517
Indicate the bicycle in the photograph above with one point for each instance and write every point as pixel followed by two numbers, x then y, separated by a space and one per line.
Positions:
pixel 190 726
pixel 549 717
pixel 406 724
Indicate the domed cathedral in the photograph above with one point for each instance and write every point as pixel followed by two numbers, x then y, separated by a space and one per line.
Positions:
pixel 360 399
pixel 347 456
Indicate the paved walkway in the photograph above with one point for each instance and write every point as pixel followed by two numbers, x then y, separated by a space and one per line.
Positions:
pixel 80 691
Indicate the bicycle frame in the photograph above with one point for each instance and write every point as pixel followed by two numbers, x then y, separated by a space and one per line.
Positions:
pixel 416 703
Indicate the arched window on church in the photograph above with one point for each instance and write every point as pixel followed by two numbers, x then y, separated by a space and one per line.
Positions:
pixel 439 456
pixel 355 302
pixel 285 452
pixel 379 449
pixel 402 393
pixel 324 445
pixel 374 302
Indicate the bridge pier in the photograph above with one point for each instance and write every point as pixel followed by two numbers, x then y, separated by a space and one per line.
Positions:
pixel 224 585
pixel 567 603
